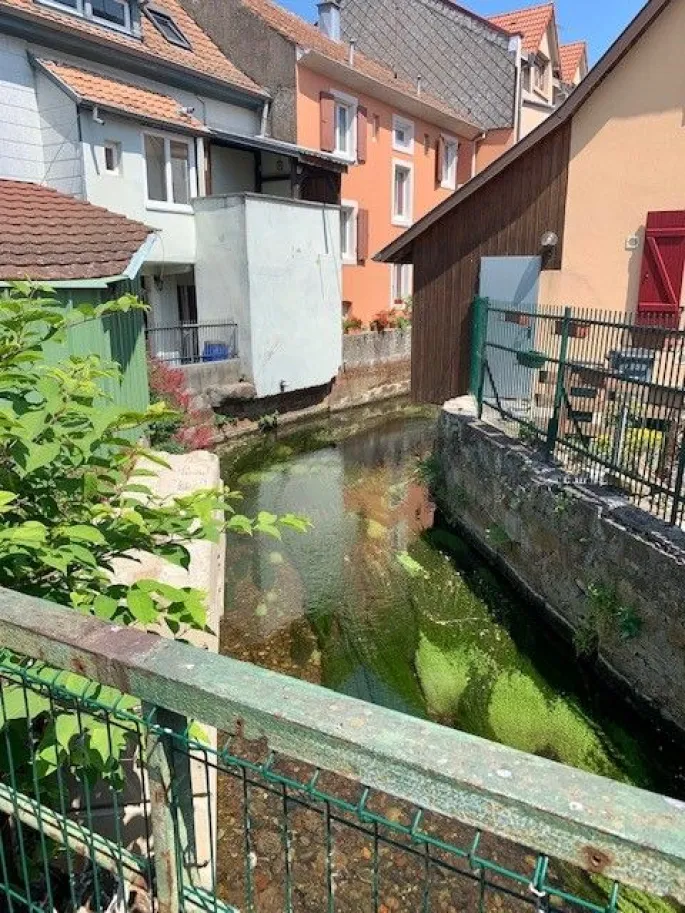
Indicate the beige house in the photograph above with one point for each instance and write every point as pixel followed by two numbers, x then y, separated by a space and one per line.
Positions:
pixel 602 182
pixel 548 71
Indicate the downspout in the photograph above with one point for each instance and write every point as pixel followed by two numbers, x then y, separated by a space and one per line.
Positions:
pixel 264 120
pixel 515 45
pixel 474 158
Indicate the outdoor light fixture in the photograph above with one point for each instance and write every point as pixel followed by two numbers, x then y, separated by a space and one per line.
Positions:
pixel 549 239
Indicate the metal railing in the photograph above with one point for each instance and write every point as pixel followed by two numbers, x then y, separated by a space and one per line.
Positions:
pixel 193 343
pixel 292 797
pixel 602 393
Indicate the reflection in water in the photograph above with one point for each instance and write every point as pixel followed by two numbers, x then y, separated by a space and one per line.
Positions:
pixel 379 603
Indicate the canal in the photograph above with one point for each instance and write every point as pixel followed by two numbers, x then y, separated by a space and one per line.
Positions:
pixel 382 602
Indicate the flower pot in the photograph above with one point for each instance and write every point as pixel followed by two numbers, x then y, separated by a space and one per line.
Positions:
pixel 532 359
pixel 520 320
pixel 576 330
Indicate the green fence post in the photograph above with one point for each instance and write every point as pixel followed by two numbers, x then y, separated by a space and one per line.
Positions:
pixel 553 426
pixel 479 339
pixel 170 793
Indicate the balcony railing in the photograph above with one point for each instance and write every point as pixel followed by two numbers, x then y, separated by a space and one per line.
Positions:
pixel 193 343
pixel 305 800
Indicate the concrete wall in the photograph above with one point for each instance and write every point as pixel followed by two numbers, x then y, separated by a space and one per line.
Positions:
pixel 273 266
pixel 558 542
pixel 373 348
pixel 21 141
pixel 60 137
pixel 627 153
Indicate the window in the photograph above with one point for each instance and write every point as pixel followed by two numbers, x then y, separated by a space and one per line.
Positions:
pixel 166 25
pixel 402 193
pixel 448 167
pixel 113 158
pixel 402 135
pixel 170 171
pixel 345 115
pixel 402 284
pixel 540 71
pixel 113 13
pixel 348 232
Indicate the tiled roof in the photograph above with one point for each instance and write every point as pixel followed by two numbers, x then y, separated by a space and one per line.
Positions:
pixel 112 93
pixel 463 59
pixel 204 56
pixel 530 23
pixel 570 56
pixel 308 36
pixel 49 236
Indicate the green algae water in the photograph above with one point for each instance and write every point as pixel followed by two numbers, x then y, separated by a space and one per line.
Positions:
pixel 382 602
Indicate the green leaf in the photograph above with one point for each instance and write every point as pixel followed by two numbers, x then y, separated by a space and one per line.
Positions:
pixel 6 498
pixel 67 725
pixel 296 522
pixel 411 566
pixel 40 455
pixel 175 553
pixel 105 607
pixel 142 606
pixel 82 533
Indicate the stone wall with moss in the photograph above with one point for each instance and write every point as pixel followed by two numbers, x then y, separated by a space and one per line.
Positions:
pixel 611 575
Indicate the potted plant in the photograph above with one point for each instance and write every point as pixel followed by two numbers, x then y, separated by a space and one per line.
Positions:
pixel 576 329
pixel 352 325
pixel 381 321
pixel 518 318
pixel 532 359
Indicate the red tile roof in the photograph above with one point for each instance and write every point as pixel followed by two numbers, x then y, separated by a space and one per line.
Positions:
pixel 112 93
pixel 570 57
pixel 308 36
pixel 51 236
pixel 530 23
pixel 204 57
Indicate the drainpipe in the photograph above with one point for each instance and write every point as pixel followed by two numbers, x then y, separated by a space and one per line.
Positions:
pixel 264 120
pixel 350 58
pixel 474 157
pixel 515 45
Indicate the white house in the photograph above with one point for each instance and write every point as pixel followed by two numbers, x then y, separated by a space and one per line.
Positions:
pixel 129 105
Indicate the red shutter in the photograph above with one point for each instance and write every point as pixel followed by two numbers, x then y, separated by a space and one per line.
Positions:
pixel 362 235
pixel 661 277
pixel 362 133
pixel 327 104
pixel 439 158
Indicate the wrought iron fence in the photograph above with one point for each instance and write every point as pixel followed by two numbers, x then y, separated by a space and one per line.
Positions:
pixel 290 798
pixel 602 393
pixel 192 343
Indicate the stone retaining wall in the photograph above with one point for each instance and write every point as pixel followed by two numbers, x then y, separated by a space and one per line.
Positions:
pixel 609 573
pixel 372 348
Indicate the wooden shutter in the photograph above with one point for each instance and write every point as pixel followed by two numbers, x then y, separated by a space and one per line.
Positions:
pixel 362 134
pixel 661 277
pixel 362 235
pixel 439 158
pixel 327 105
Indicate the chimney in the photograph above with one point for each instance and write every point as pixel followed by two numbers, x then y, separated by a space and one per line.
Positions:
pixel 329 18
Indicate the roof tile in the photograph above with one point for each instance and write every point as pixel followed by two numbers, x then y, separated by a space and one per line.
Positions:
pixel 530 23
pixel 203 57
pixel 50 236
pixel 130 99
pixel 570 57
pixel 308 36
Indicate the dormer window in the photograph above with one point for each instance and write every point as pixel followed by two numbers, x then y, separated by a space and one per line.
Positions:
pixel 115 14
pixel 166 25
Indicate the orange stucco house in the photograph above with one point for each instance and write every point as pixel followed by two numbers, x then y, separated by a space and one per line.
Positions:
pixel 406 150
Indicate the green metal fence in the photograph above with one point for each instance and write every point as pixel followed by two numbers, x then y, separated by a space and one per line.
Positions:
pixel 291 798
pixel 602 393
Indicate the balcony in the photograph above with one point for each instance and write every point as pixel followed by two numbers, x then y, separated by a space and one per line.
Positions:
pixel 193 343
pixel 307 800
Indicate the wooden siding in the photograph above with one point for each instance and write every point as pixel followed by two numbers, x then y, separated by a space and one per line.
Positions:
pixel 507 216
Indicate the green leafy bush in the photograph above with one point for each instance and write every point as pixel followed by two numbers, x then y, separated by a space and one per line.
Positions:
pixel 74 498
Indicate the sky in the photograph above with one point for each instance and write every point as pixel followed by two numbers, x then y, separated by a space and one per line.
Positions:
pixel 599 22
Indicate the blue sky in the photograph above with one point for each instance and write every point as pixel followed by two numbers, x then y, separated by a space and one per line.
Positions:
pixel 597 21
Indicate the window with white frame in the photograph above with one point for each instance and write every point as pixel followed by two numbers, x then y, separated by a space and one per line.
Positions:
pixel 450 159
pixel 112 152
pixel 540 71
pixel 170 170
pixel 402 277
pixel 113 13
pixel 402 193
pixel 402 134
pixel 345 126
pixel 348 232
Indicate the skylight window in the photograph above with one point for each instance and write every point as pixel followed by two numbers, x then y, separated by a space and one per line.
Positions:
pixel 166 25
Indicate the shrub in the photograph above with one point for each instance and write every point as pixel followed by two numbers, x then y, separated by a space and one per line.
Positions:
pixel 352 323
pixel 191 427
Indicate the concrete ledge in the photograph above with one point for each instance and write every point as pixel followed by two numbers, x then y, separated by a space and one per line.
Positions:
pixel 372 348
pixel 559 541
pixel 212 374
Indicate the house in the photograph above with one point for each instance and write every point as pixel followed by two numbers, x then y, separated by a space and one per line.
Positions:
pixel 131 106
pixel 406 149
pixel 88 255
pixel 504 72
pixel 596 192
pixel 549 71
